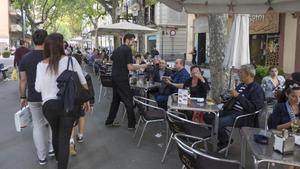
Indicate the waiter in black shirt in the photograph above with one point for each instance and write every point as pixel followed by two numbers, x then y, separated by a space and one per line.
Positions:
pixel 122 64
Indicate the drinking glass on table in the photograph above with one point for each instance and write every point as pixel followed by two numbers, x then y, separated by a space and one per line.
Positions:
pixel 295 126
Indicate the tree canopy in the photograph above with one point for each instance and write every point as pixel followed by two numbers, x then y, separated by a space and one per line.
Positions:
pixel 64 16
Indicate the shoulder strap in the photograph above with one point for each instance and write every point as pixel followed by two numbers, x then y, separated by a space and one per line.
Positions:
pixel 70 60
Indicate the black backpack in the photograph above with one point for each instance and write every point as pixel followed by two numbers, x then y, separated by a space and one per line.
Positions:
pixel 71 92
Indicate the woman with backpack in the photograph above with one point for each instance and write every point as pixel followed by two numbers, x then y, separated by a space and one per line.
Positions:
pixel 48 70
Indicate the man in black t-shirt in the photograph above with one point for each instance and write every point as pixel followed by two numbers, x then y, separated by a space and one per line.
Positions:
pixel 122 64
pixel 41 133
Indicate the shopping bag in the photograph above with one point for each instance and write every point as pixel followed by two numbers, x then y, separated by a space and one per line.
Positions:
pixel 22 118
pixel 14 74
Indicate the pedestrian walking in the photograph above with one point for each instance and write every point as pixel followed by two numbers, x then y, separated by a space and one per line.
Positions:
pixel 19 53
pixel 81 120
pixel 42 136
pixel 55 62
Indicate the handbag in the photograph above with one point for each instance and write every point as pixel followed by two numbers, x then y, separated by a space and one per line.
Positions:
pixel 22 118
pixel 228 105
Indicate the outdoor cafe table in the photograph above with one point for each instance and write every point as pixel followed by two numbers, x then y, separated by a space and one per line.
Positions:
pixel 264 152
pixel 145 86
pixel 199 107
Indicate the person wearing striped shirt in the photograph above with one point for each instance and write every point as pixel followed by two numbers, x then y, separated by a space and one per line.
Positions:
pixel 249 98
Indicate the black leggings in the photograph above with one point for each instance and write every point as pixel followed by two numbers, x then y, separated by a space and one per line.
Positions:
pixel 61 125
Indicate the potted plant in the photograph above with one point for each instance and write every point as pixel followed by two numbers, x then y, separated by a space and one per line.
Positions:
pixel 6 54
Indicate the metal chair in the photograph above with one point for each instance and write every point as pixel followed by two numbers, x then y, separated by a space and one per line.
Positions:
pixel 235 125
pixel 106 81
pixel 149 113
pixel 124 113
pixel 193 158
pixel 178 123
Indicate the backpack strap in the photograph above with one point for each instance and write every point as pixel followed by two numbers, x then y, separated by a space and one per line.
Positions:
pixel 70 60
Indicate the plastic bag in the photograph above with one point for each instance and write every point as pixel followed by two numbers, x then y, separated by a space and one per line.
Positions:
pixel 22 118
pixel 14 74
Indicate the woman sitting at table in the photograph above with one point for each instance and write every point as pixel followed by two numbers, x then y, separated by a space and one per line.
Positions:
pixel 287 112
pixel 197 84
pixel 198 87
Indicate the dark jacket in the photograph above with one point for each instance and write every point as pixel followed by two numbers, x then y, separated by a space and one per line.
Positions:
pixel 252 98
pixel 157 78
pixel 279 116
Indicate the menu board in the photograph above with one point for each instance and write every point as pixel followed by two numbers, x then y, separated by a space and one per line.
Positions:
pixel 183 96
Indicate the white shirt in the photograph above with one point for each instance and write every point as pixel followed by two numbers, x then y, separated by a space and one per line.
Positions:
pixel 45 82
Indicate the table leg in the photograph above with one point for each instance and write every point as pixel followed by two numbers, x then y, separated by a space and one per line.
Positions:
pixel 243 151
pixel 146 94
pixel 216 129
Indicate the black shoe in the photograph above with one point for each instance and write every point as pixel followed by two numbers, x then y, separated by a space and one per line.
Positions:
pixel 131 127
pixel 113 124
pixel 43 162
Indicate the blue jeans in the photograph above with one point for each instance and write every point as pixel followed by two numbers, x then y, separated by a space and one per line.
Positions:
pixel 226 119
pixel 162 101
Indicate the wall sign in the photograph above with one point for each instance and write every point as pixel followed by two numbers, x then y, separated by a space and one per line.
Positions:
pixel 263 24
pixel 172 32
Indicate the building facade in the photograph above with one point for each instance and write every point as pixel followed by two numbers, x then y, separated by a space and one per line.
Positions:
pixel 4 25
pixel 170 38
pixel 274 39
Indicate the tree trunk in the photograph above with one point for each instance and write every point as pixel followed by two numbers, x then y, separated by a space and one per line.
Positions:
pixel 141 21
pixel 217 35
pixel 117 42
pixel 96 35
pixel 115 19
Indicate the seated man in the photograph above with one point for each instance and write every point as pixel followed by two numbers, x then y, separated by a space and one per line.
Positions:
pixel 162 71
pixel 149 71
pixel 169 84
pixel 249 97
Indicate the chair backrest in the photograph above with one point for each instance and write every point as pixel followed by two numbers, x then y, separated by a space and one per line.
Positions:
pixel 199 159
pixel 106 80
pixel 250 120
pixel 186 156
pixel 145 103
pixel 206 161
pixel 175 122
pixel 180 124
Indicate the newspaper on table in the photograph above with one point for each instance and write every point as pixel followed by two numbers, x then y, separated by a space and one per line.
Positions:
pixel 22 118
